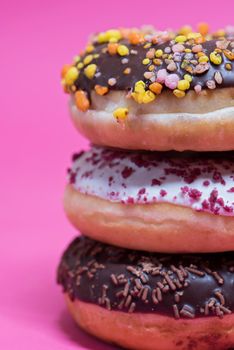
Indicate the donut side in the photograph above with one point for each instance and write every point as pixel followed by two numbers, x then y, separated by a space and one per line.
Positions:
pixel 152 332
pixel 204 123
pixel 159 227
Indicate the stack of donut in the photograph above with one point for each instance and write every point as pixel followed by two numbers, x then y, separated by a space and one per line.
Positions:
pixel 154 195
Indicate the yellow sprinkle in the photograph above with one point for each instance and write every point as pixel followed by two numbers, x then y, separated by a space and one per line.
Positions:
pixel 185 30
pixel 148 96
pixel 109 35
pixel 203 59
pixel 146 61
pixel 187 50
pixel 89 48
pixel 151 67
pixel 200 54
pixel 180 38
pixel 76 59
pixel 120 113
pixel 88 59
pixel 183 85
pixel 193 35
pixel 178 93
pixel 147 46
pixel 157 61
pixel 71 75
pixel 228 66
pixel 90 70
pixel 158 53
pixel 96 55
pixel 139 86
pixel 113 40
pixel 123 50
pixel 80 65
pixel 188 77
pixel 215 58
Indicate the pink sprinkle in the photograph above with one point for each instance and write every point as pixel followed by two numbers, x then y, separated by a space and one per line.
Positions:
pixel 171 81
pixel 141 191
pixel 127 172
pixel 178 48
pixel 156 182
pixel 163 193
pixel 161 75
pixel 197 88
pixel 206 183
pixel 194 194
pixel 231 190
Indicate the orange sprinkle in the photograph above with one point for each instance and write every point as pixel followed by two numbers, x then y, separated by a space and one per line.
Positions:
pixel 65 69
pixel 156 88
pixel 101 90
pixel 203 28
pixel 81 100
pixel 135 38
pixel 127 70
pixel 112 48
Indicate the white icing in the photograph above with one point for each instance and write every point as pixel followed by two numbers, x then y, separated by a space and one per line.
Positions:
pixel 160 177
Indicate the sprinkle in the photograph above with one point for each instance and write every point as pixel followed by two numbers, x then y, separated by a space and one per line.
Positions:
pixel 203 58
pixel 146 61
pixel 178 48
pixel 112 81
pixel 112 48
pixel 218 78
pixel 211 84
pixel 183 85
pixel 176 311
pixel 88 59
pixel 101 90
pixel 215 58
pixel 178 93
pixel 121 113
pixel 161 75
pixel 71 75
pixel 171 81
pixel 180 38
pixel 203 28
pixel 156 88
pixel 135 38
pixel 172 66
pixel 158 53
pixel 127 70
pixel 81 100
pixel 229 54
pixel 90 70
pixel 123 50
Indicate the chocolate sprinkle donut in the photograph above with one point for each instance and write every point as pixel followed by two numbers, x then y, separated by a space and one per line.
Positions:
pixel 146 63
pixel 180 286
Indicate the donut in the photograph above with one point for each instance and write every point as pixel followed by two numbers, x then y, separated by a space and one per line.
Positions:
pixel 141 300
pixel 154 201
pixel 150 90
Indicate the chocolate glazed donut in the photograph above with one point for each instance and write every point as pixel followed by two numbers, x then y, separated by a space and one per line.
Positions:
pixel 176 90
pixel 192 290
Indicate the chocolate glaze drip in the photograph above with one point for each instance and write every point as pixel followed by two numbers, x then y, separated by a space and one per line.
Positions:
pixel 111 66
pixel 183 286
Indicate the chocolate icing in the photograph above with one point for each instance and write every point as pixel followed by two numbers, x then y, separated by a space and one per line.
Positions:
pixel 112 67
pixel 183 286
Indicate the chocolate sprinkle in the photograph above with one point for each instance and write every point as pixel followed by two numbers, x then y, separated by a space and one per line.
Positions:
pixel 117 283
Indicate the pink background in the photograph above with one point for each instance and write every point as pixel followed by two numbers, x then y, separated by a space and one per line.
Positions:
pixel 37 139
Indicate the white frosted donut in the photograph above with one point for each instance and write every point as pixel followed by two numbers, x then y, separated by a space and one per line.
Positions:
pixel 153 201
